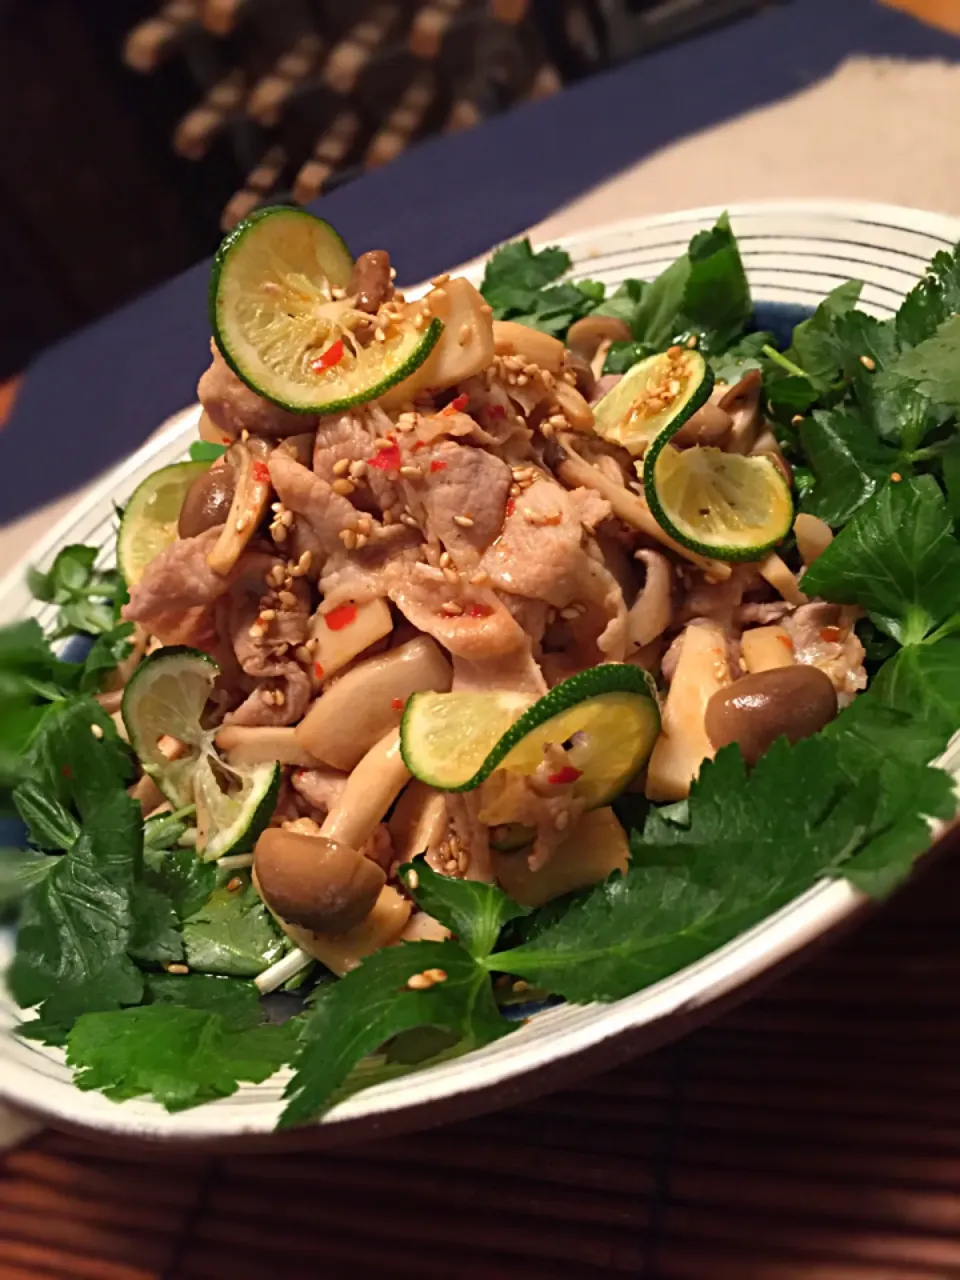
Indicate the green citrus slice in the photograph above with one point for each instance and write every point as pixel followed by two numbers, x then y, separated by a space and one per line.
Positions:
pixel 658 394
pixel 149 522
pixel 280 317
pixel 606 717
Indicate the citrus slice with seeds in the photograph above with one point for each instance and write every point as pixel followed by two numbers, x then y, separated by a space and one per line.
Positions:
pixel 281 319
pixel 657 395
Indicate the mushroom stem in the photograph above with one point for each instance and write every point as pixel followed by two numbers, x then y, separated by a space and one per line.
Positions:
pixel 249 505
pixel 282 971
pixel 371 789
pixel 575 472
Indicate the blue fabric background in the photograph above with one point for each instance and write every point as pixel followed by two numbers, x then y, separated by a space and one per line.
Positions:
pixel 93 398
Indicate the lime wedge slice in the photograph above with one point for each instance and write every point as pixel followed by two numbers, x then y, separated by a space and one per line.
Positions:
pixel 658 394
pixel 162 710
pixel 719 504
pixel 149 522
pixel 280 319
pixel 608 716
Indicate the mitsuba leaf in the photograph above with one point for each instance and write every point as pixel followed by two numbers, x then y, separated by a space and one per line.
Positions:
pixel 817 348
pixel 849 463
pixel 155 935
pixel 206 451
pixel 898 559
pixel 474 911
pixel 50 825
pixel 515 275
pixel 233 933
pixel 76 925
pixel 185 880
pixel 371 1005
pixel 749 845
pixel 730 365
pixel 932 300
pixel 181 1054
pixel 106 652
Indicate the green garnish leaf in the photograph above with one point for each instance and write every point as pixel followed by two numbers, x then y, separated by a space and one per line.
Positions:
pixel 730 365
pixel 76 924
pixel 817 348
pixel 932 300
pixel 515 275
pixel 85 594
pixel 185 880
pixel 849 463
pixel 474 911
pixel 233 933
pixel 155 936
pixel 206 451
pixel 106 653
pixel 898 559
pixel 359 1014
pixel 50 825
pixel 749 844
pixel 190 1046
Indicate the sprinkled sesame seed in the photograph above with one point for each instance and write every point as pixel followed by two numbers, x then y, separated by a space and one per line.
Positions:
pixel 305 563
pixel 409 521
pixel 562 820
pixel 465 522
pixel 303 654
pixel 451 574
pixel 393 273
pixel 234 884
pixel 692 341
pixel 288 600
pixel 480 579
pixel 97 732
pixel 411 473
pixel 796 419
pixel 358 469
pixel 178 969
pixel 463 337
pixel 287 519
pixel 520 985
pixel 362 541
pixel 384 442
pixel 365 525
pixel 569 614
pixel 341 467
pixel 419 982
pixel 256 632
pixel 868 363
pixel 413 879
pixel 435 975
pixel 279 697
pixel 348 538
pixel 267 615
pixel 241 524
pixel 896 477
pixel 451 608
pixel 343 487
pixel 437 281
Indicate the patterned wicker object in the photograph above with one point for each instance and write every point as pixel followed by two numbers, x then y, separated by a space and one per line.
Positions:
pixel 813 1134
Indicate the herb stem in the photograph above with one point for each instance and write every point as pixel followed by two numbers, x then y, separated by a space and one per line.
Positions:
pixel 779 358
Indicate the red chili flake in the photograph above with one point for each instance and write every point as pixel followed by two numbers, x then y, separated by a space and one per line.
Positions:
pixel 66 771
pixel 327 359
pixel 225 440
pixel 511 506
pixel 785 640
pixel 261 473
pixel 420 444
pixel 496 411
pixel 318 670
pixel 830 634
pixel 456 406
pixel 567 774
pixel 398 704
pixel 437 465
pixel 478 611
pixel 341 617
pixel 386 459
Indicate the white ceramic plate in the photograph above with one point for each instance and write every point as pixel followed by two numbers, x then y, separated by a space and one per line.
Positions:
pixel 794 252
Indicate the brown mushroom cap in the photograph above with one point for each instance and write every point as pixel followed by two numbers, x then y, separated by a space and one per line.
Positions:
pixel 792 702
pixel 584 336
pixel 315 882
pixel 208 501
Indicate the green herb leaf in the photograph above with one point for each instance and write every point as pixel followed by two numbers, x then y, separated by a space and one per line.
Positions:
pixel 179 1054
pixel 622 303
pixel 186 880
pixel 233 933
pixel 515 275
pixel 730 365
pixel 930 302
pixel 357 1015
pixel 624 355
pixel 76 924
pixel 155 935
pixel 898 559
pixel 20 869
pixel 474 911
pixel 934 365
pixel 106 653
pixel 817 349
pixel 749 845
pixel 206 451
pixel 85 594
pixel 50 825
pixel 848 461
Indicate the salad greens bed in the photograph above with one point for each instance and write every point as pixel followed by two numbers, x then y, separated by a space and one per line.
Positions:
pixel 867 412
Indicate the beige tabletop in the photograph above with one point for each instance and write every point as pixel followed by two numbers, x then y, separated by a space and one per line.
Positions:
pixel 867 132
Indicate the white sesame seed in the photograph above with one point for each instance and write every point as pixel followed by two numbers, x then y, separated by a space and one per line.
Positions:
pixel 562 820
pixel 413 880
pixel 348 538
pixel 419 982
pixel 241 524
pixel 480 579
pixel 451 608
pixel 441 279
pixel 569 614
pixel 451 574
pixel 868 363
pixel 358 469
pixel 287 519
pixel 463 337
pixel 384 442
pixel 177 969
pixel 341 467
pixel 96 730
pixel 343 487
pixel 267 615
pixel 362 541
pixel 465 522
pixel 411 473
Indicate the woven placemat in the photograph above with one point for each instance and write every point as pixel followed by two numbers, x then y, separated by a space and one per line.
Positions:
pixel 811 1134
